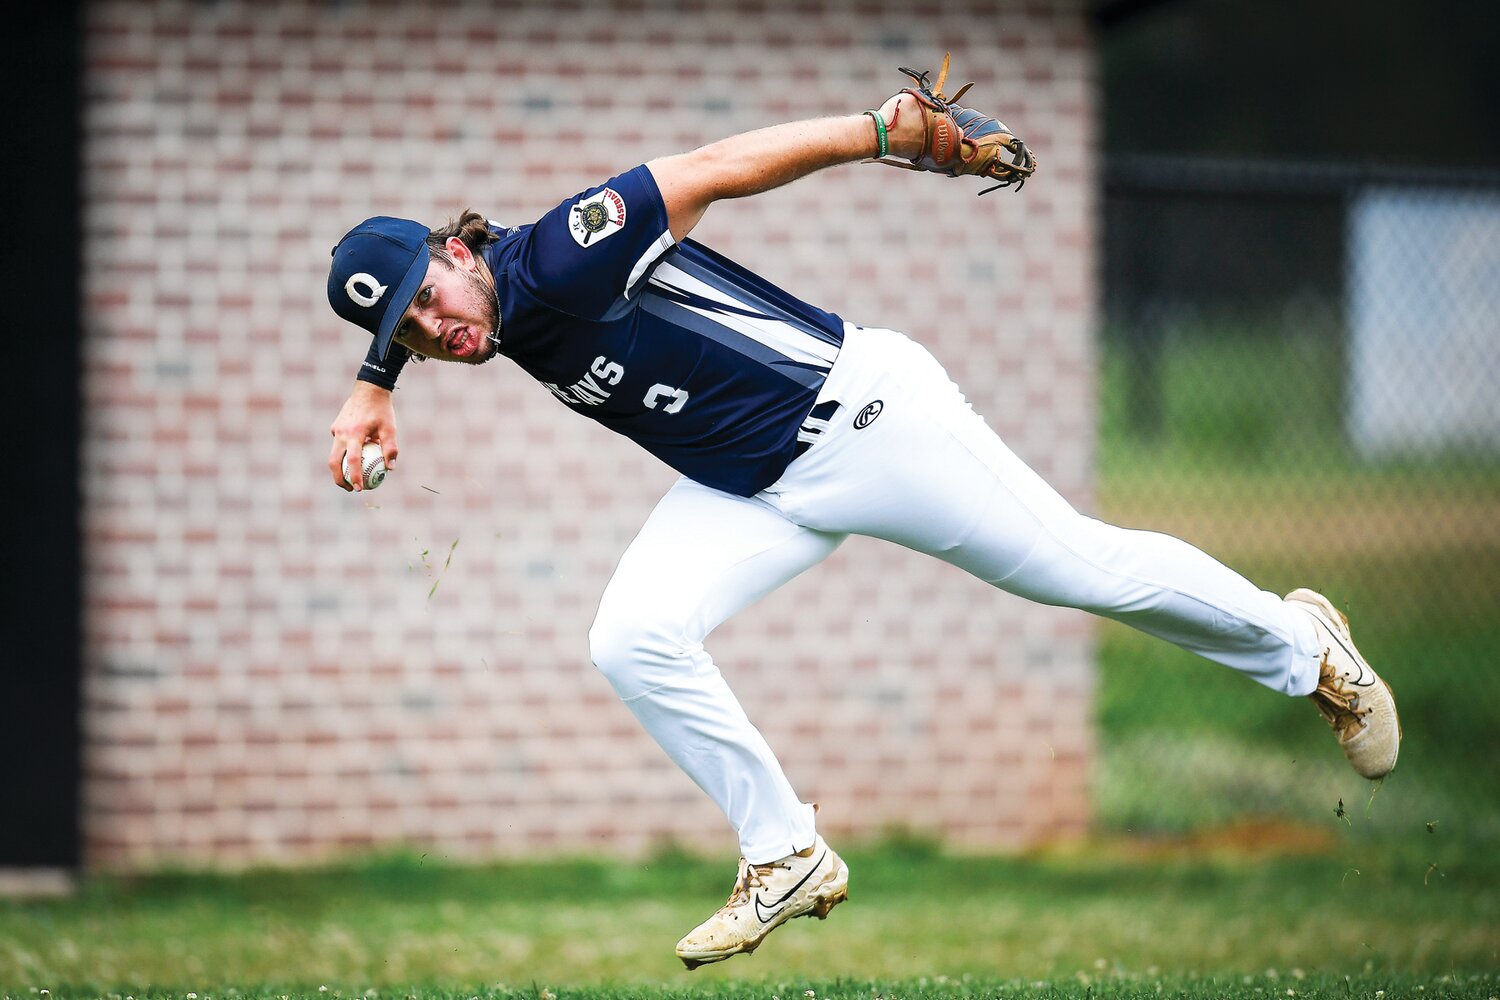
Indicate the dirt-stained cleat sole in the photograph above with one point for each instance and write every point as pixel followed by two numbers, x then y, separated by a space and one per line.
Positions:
pixel 807 884
pixel 1357 704
pixel 826 903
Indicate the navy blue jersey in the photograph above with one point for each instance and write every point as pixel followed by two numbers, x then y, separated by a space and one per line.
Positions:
pixel 704 364
pixel 707 366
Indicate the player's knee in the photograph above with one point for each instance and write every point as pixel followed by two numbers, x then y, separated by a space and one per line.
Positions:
pixel 630 649
pixel 609 645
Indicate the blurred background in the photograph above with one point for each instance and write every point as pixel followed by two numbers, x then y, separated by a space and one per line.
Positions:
pixel 1299 356
pixel 1252 299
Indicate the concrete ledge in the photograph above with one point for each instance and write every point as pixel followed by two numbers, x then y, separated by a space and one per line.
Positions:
pixel 36 883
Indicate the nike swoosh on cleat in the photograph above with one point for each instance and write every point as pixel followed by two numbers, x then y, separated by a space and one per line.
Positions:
pixel 767 916
pixel 1366 676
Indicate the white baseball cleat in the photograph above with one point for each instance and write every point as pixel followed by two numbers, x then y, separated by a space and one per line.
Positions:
pixel 808 883
pixel 1358 705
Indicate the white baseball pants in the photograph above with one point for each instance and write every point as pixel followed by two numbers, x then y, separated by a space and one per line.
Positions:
pixel 926 473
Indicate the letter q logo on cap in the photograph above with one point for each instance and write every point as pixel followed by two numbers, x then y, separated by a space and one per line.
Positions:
pixel 361 296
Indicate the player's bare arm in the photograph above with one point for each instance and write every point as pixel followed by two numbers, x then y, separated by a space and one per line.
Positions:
pixel 754 162
pixel 919 128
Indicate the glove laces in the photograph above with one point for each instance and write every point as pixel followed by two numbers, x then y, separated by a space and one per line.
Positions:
pixel 935 91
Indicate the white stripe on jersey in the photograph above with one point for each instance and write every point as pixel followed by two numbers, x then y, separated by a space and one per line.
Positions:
pixel 663 243
pixel 773 333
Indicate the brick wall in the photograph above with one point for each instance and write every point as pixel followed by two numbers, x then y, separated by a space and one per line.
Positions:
pixel 271 674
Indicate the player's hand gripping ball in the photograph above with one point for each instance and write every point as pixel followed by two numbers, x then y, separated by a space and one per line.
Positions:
pixel 372 466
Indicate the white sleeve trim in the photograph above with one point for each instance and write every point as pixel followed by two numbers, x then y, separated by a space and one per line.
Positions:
pixel 661 245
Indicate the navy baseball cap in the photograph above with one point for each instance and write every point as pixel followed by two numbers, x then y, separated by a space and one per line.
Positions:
pixel 377 268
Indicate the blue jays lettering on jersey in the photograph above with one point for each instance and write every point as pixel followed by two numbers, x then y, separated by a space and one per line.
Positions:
pixel 704 364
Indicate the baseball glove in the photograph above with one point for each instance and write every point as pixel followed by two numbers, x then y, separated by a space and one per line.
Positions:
pixel 959 141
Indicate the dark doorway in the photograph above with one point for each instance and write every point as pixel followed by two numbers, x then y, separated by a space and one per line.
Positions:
pixel 41 650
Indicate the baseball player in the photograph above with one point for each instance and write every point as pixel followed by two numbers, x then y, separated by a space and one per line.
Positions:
pixel 792 428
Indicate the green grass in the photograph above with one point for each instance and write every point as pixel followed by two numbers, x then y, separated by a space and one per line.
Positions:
pixel 1104 914
pixel 1081 986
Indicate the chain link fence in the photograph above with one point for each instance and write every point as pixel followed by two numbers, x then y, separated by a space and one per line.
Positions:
pixel 1301 374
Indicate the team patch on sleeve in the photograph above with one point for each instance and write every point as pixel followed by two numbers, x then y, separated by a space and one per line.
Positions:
pixel 596 217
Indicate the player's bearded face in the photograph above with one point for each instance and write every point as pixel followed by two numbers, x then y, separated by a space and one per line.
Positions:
pixel 453 315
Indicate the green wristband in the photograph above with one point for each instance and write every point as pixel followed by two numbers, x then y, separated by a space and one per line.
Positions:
pixel 883 141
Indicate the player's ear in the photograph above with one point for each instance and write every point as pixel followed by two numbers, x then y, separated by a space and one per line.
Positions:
pixel 459 251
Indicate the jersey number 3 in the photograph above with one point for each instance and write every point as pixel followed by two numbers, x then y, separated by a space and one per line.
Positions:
pixel 676 398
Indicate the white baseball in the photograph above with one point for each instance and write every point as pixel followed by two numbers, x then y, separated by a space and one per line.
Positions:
pixel 372 466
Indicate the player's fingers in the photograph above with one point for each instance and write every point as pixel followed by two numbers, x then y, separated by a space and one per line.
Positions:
pixel 344 464
pixel 336 466
pixel 354 462
pixel 388 447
